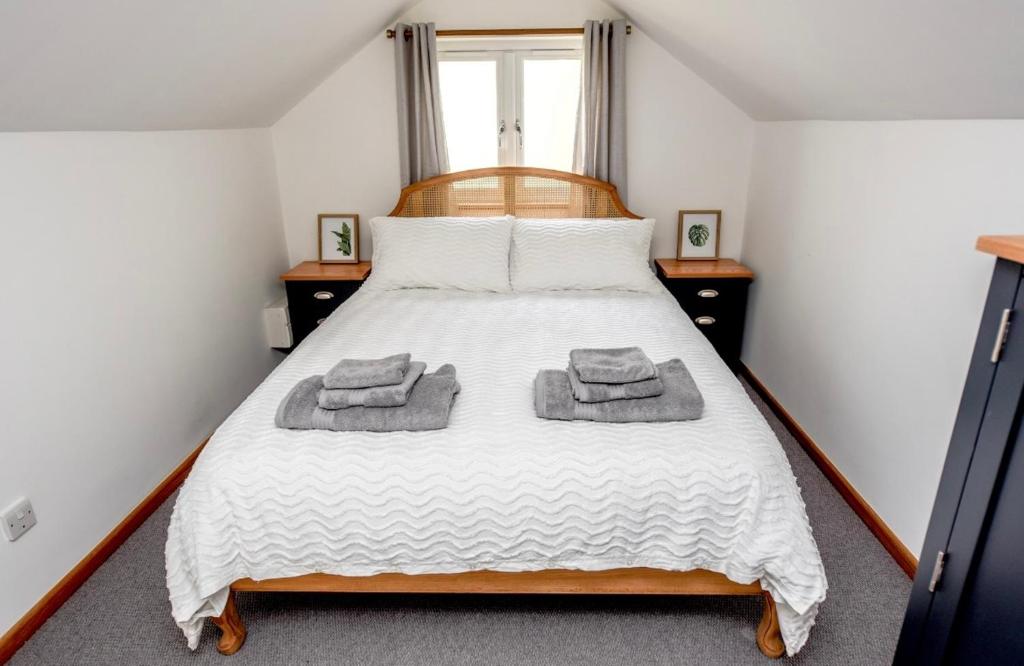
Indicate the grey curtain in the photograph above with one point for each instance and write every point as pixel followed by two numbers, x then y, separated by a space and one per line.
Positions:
pixel 423 152
pixel 600 150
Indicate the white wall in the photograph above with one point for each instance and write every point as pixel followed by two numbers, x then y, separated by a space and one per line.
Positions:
pixel 135 267
pixel 688 146
pixel 869 292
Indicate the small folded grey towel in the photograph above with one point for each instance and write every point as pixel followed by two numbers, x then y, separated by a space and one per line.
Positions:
pixel 594 392
pixel 612 366
pixel 352 373
pixel 429 406
pixel 394 395
pixel 681 400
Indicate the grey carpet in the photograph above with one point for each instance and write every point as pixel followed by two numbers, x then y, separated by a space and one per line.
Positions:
pixel 121 615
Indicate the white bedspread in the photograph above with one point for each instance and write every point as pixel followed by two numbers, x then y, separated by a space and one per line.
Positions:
pixel 498 489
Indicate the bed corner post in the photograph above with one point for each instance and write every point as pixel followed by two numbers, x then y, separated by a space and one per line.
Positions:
pixel 233 631
pixel 769 636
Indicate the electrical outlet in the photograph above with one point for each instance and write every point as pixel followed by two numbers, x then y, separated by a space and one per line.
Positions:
pixel 18 519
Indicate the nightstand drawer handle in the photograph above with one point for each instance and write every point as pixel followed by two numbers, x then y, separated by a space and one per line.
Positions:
pixel 707 293
pixel 323 295
pixel 704 321
pixel 321 320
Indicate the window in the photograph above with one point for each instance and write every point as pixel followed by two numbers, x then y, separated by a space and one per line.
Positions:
pixel 510 102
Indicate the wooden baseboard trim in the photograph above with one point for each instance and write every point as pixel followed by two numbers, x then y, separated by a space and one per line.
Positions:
pixel 62 591
pixel 899 552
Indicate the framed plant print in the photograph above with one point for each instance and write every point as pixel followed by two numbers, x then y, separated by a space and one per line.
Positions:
pixel 698 234
pixel 338 238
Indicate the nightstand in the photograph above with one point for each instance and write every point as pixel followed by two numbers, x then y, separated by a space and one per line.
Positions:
pixel 315 290
pixel 714 295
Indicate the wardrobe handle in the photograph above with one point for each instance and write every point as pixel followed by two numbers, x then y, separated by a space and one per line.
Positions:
pixel 1001 335
pixel 704 321
pixel 707 293
pixel 323 295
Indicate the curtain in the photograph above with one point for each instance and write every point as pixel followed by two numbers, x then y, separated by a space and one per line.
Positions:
pixel 600 150
pixel 423 151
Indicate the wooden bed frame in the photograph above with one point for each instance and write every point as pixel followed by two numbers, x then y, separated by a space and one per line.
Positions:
pixel 526 192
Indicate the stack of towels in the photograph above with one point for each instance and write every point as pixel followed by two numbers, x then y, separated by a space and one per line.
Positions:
pixel 617 386
pixel 379 395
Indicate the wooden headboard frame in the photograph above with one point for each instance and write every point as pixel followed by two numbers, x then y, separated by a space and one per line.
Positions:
pixel 509 190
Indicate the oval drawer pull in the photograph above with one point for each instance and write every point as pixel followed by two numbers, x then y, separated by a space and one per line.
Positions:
pixel 707 293
pixel 704 321
pixel 323 295
pixel 321 320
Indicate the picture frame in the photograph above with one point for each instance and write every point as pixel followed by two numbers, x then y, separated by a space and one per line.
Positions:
pixel 698 234
pixel 338 238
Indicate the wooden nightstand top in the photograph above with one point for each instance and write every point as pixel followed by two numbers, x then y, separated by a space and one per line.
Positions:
pixel 1004 247
pixel 700 268
pixel 314 270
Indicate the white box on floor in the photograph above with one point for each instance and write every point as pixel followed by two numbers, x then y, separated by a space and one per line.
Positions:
pixel 277 325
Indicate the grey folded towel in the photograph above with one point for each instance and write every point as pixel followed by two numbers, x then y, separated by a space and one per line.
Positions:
pixel 594 392
pixel 394 395
pixel 353 373
pixel 612 366
pixel 681 400
pixel 428 407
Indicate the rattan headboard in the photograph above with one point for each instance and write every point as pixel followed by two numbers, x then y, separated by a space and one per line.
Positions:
pixel 521 191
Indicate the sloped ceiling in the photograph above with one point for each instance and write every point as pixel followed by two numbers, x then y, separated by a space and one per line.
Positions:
pixel 849 59
pixel 172 64
pixel 184 64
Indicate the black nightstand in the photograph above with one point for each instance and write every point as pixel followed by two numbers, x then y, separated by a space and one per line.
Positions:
pixel 714 294
pixel 315 290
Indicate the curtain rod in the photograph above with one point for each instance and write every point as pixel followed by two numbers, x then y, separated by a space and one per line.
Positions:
pixel 505 32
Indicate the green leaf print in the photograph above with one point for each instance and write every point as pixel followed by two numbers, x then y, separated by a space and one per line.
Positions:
pixel 699 234
pixel 344 239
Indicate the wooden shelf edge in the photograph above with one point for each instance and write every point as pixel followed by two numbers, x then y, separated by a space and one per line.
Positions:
pixel 678 269
pixel 1004 247
pixel 314 271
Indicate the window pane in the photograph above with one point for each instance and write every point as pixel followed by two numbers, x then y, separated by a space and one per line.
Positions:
pixel 469 102
pixel 551 94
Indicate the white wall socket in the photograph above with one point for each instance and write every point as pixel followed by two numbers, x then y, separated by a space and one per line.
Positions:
pixel 18 518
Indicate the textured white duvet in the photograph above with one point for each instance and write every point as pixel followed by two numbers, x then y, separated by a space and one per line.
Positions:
pixel 498 489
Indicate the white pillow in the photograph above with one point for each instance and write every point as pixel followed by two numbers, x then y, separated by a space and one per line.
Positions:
pixel 582 254
pixel 469 253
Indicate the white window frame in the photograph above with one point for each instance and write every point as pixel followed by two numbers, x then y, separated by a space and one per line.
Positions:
pixel 509 55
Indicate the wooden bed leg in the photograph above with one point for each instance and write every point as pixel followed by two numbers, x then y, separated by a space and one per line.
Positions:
pixel 232 631
pixel 769 637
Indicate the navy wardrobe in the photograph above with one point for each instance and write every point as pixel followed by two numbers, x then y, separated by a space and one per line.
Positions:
pixel 967 601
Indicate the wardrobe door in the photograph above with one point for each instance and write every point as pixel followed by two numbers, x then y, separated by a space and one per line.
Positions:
pixel 980 441
pixel 988 627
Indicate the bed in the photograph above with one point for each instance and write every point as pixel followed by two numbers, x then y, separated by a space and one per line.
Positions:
pixel 500 501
